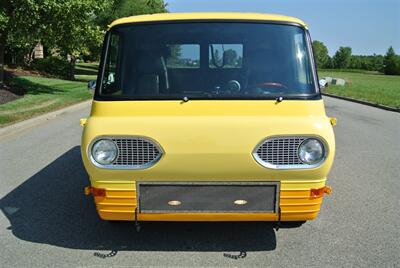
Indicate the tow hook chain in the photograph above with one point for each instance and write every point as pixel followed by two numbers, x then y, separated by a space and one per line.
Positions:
pixel 278 223
pixel 108 255
pixel 137 224
pixel 241 255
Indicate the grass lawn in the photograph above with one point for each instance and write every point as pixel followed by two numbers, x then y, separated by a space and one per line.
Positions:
pixel 42 95
pixel 86 71
pixel 372 87
pixel 45 94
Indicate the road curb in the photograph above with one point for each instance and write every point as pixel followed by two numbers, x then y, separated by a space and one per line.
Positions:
pixel 22 125
pixel 376 105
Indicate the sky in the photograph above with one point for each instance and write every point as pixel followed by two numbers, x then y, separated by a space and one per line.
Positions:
pixel 367 26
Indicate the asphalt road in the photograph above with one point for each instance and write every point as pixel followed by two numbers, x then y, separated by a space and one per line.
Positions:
pixel 45 219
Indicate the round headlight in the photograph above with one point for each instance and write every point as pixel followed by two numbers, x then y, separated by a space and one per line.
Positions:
pixel 104 152
pixel 311 151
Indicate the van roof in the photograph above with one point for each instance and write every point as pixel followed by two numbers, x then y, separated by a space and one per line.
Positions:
pixel 207 16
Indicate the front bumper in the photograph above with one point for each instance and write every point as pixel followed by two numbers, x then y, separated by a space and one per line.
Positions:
pixel 298 200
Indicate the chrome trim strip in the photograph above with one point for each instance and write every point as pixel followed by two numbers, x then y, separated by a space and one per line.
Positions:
pixel 260 161
pixel 126 167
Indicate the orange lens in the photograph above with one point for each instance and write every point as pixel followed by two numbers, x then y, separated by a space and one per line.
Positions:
pixel 317 193
pixel 98 192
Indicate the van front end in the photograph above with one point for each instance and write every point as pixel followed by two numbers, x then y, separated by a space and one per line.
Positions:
pixel 170 153
pixel 208 117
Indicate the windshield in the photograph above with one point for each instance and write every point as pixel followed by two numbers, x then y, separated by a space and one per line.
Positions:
pixel 207 60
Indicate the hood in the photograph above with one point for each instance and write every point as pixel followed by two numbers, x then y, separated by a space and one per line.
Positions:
pixel 208 140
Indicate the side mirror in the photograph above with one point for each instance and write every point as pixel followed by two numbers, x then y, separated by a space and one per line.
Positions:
pixel 322 83
pixel 91 85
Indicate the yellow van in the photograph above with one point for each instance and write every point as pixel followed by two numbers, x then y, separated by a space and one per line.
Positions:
pixel 207 117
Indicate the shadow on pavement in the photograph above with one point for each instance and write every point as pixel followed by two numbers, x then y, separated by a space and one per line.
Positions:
pixel 50 208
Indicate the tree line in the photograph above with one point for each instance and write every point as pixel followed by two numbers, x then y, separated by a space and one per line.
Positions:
pixel 72 29
pixel 68 29
pixel 343 59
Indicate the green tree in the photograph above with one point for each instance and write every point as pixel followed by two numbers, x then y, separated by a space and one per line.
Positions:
pixel 176 51
pixel 67 26
pixel 20 28
pixel 175 54
pixel 116 9
pixel 124 8
pixel 321 54
pixel 391 62
pixel 341 59
pixel 370 62
pixel 71 27
pixel 3 36
pixel 230 57
pixel 377 63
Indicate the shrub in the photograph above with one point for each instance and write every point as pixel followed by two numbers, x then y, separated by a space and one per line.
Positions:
pixel 392 63
pixel 53 66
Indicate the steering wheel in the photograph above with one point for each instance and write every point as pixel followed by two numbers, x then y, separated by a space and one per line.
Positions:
pixel 268 88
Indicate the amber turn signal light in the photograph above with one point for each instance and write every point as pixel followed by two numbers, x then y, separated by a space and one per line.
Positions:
pixel 96 192
pixel 333 121
pixel 317 193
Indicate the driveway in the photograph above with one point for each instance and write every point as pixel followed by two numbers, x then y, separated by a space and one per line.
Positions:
pixel 45 219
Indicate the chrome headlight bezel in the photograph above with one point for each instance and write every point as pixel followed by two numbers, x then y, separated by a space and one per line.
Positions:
pixel 93 158
pixel 122 152
pixel 322 148
pixel 298 166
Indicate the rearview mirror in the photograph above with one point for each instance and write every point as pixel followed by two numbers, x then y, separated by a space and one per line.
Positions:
pixel 322 83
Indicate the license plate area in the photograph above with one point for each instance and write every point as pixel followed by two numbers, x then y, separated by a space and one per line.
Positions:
pixel 214 197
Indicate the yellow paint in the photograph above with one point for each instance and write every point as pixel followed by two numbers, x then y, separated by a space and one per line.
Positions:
pixel 119 204
pixel 208 140
pixel 333 121
pixel 82 122
pixel 206 16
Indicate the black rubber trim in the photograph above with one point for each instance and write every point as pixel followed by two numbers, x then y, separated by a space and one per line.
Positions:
pixel 98 97
pixel 316 96
pixel 102 66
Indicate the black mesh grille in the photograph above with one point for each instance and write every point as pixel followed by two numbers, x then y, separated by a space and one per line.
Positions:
pixel 175 197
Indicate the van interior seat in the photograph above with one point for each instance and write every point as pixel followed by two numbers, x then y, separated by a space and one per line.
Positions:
pixel 263 66
pixel 151 73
